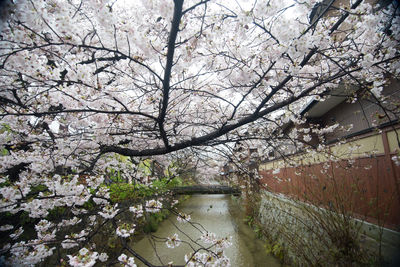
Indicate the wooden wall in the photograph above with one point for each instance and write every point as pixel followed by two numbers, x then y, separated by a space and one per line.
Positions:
pixel 368 187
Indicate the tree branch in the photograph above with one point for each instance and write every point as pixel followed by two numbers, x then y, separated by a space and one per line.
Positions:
pixel 168 68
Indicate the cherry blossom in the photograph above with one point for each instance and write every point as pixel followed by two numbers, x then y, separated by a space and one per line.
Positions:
pixel 173 241
pixel 25 254
pixel 125 230
pixel 396 160
pixel 183 218
pixel 6 227
pixel 153 206
pixel 109 211
pixel 85 258
pixel 103 257
pixel 206 259
pixel 137 210
pixel 93 86
pixel 129 262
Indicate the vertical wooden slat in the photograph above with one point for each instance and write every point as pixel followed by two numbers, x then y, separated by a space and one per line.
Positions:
pixel 390 165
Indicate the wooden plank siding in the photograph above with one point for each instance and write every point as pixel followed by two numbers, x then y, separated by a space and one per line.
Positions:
pixel 366 186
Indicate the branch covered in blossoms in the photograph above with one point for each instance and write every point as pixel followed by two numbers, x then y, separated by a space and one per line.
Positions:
pixel 92 86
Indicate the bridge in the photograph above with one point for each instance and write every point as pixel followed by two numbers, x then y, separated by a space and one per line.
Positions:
pixel 206 189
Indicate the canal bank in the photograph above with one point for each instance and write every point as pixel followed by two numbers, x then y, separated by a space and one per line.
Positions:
pixel 218 214
pixel 314 236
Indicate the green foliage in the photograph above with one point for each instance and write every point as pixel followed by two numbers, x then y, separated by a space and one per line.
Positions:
pixel 249 220
pixel 170 171
pixel 112 241
pixel 275 249
pixel 166 183
pixel 146 166
pixel 114 176
pixel 89 205
pixel 5 128
pixel 56 213
pixel 25 219
pixel 5 183
pixel 4 151
pixel 126 191
pixel 38 188
pixel 258 230
pixel 151 226
pixel 153 221
pixel 122 191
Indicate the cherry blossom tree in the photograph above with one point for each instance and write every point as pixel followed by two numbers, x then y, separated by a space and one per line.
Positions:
pixel 85 81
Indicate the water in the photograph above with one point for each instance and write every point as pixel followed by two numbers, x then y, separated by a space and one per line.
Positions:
pixel 218 214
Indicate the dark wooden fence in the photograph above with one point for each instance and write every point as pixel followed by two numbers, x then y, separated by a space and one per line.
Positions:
pixel 369 187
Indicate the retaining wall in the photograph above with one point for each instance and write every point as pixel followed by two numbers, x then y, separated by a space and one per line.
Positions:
pixel 307 238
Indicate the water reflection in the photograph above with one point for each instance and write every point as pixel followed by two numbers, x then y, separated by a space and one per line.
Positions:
pixel 218 214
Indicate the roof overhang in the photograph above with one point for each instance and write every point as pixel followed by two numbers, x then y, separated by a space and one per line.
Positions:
pixel 316 109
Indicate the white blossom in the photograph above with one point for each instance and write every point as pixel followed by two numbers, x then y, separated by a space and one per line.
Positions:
pixel 84 259
pixel 109 211
pixel 173 241
pixel 6 227
pixel 127 261
pixel 125 230
pixel 183 218
pixel 103 257
pixel 396 160
pixel 153 206
pixel 137 210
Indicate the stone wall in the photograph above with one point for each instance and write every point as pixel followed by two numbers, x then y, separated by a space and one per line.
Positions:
pixel 320 237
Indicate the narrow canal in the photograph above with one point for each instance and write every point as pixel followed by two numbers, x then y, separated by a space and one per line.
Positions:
pixel 218 214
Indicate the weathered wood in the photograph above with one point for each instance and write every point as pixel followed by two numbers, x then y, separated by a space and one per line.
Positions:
pixel 206 189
